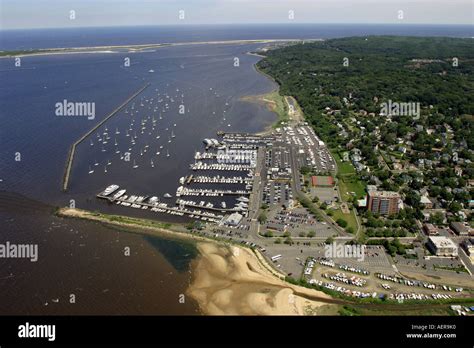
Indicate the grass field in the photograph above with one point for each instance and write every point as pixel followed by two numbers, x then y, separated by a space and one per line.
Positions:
pixel 406 310
pixel 343 168
pixel 350 218
pixel 348 181
pixel 349 184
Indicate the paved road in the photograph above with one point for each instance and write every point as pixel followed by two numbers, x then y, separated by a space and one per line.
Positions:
pixel 466 261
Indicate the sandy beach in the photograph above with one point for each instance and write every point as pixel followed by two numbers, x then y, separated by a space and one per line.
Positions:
pixel 229 280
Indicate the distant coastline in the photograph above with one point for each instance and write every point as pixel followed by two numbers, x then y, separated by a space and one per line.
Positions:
pixel 132 48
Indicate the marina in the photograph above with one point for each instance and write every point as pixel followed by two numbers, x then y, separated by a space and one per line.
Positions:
pixel 233 200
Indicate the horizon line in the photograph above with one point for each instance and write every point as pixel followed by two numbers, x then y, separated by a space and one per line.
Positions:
pixel 234 24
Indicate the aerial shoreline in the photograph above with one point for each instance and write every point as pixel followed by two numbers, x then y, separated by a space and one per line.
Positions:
pixel 222 263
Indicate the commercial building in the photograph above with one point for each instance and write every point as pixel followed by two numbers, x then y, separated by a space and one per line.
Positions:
pixel 383 202
pixel 459 228
pixel 442 246
pixel 233 219
pixel 430 229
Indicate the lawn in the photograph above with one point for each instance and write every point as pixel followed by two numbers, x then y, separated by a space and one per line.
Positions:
pixel 343 168
pixel 351 184
pixel 350 218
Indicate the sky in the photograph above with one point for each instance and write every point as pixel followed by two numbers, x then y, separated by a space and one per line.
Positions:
pixel 16 14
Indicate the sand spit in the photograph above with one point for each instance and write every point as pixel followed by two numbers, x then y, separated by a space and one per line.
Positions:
pixel 229 280
pixel 140 47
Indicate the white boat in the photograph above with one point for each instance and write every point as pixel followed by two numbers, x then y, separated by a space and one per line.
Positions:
pixel 167 195
pixel 135 165
pixel 152 164
pixel 243 199
pixel 119 194
pixel 91 170
pixel 110 189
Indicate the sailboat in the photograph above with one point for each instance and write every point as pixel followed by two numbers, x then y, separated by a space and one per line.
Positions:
pixel 117 131
pixel 172 135
pixel 167 153
pixel 152 164
pixel 92 144
pixel 135 165
pixel 91 170
pixel 105 169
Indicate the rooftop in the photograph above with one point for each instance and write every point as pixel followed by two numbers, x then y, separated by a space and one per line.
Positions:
pixel 387 194
pixel 442 242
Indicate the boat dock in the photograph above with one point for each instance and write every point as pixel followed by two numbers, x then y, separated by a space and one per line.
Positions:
pixel 202 179
pixel 195 205
pixel 152 203
pixel 182 191
pixel 221 166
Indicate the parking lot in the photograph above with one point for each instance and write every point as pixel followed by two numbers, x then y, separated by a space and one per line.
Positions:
pixel 296 221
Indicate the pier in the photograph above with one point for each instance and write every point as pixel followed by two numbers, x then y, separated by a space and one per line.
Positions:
pixel 182 191
pixel 202 179
pixel 72 150
pixel 159 207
